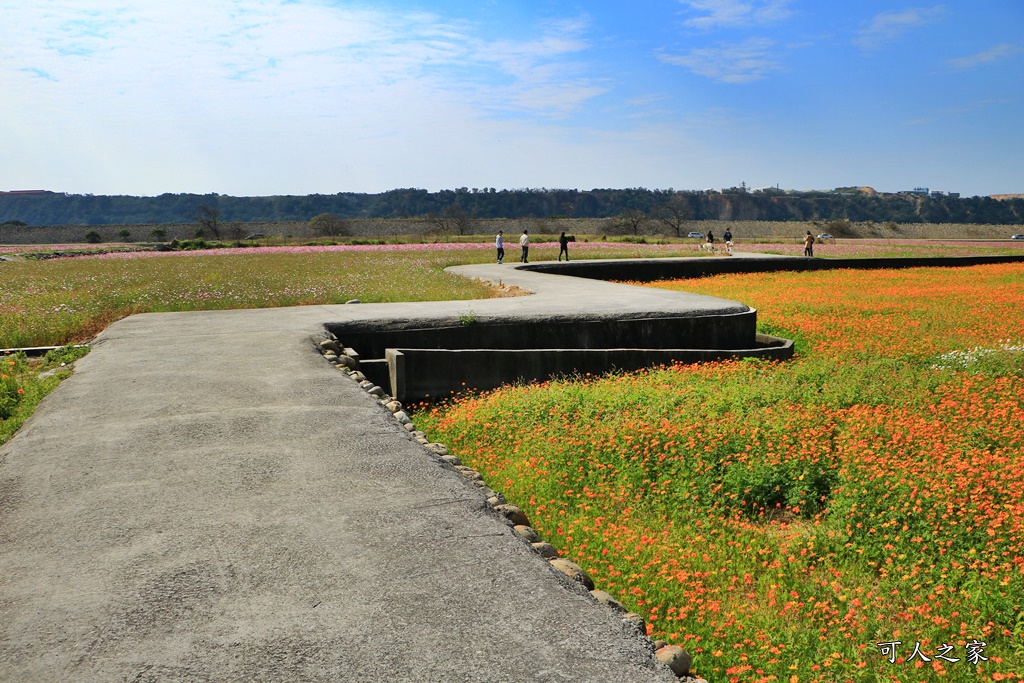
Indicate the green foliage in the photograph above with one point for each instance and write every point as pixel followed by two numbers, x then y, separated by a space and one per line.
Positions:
pixel 63 355
pixel 93 237
pixel 671 208
pixel 11 391
pixel 804 509
pixel 57 301
pixel 25 381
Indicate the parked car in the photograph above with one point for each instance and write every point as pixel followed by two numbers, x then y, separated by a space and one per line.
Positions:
pixel 1017 237
pixel 256 236
pixel 825 236
pixel 696 235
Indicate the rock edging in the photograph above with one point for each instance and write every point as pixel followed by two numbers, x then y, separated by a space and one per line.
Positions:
pixel 677 659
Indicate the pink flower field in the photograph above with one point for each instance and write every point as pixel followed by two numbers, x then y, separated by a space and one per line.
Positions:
pixel 414 247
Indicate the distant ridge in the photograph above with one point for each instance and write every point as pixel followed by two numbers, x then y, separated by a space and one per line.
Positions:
pixel 662 209
pixel 1002 197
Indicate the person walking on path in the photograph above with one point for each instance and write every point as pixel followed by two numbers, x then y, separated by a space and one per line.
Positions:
pixel 524 242
pixel 499 244
pixel 563 247
pixel 808 244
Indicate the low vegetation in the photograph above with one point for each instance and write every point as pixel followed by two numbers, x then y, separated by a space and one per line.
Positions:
pixel 25 381
pixel 789 522
pixel 63 300
pixel 781 521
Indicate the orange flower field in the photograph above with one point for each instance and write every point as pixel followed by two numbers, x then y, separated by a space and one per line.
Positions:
pixel 854 514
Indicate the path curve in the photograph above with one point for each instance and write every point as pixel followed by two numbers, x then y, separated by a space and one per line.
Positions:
pixel 207 499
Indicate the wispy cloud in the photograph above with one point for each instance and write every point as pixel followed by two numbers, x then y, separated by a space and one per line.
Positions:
pixel 737 13
pixel 994 54
pixel 329 56
pixel 39 73
pixel 742 62
pixel 544 73
pixel 886 27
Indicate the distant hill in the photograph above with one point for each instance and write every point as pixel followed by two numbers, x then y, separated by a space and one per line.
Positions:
pixel 859 204
pixel 1002 197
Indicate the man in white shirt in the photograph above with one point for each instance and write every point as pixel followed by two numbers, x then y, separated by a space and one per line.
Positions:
pixel 524 242
pixel 499 244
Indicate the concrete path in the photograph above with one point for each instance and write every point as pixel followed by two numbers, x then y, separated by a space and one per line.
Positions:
pixel 207 499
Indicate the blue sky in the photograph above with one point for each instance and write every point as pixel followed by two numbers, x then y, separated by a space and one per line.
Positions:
pixel 263 97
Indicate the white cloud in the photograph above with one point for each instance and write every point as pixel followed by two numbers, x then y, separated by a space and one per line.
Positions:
pixel 192 95
pixel 223 51
pixel 544 79
pixel 737 13
pixel 887 27
pixel 994 54
pixel 742 62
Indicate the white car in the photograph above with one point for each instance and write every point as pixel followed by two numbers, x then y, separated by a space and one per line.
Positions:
pixel 825 236
pixel 1017 237
pixel 696 235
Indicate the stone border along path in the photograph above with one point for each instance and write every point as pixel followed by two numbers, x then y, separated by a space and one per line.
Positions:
pixel 674 657
pixel 203 500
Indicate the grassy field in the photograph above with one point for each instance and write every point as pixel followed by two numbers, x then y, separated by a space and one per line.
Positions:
pixel 68 300
pixel 785 522
pixel 59 301
pixel 64 300
pixel 779 520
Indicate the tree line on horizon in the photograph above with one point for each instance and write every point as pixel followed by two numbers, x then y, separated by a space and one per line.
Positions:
pixel 52 208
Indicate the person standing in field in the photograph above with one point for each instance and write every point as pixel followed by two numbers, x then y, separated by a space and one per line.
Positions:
pixel 727 235
pixel 808 244
pixel 524 242
pixel 499 244
pixel 563 247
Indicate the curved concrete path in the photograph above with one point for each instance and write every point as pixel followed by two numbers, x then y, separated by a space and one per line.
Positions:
pixel 207 499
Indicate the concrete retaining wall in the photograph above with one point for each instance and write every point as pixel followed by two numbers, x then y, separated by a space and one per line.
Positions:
pixel 420 374
pixel 735 331
pixel 648 270
pixel 420 359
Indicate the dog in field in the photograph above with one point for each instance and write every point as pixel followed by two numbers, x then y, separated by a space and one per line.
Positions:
pixel 728 246
pixel 708 247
